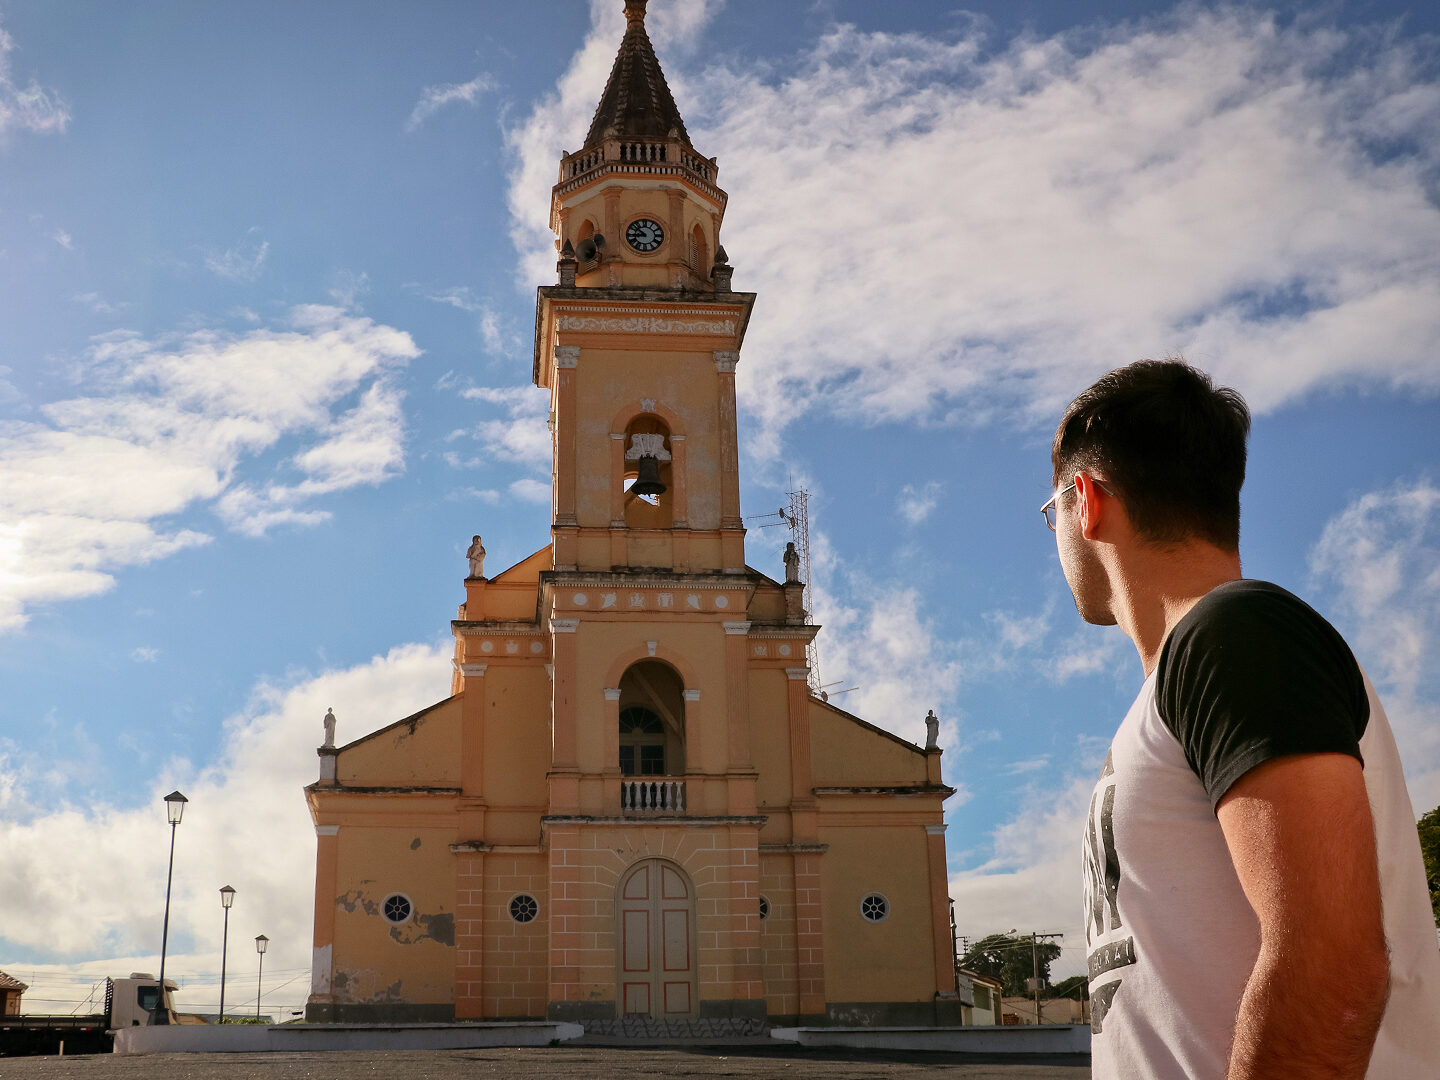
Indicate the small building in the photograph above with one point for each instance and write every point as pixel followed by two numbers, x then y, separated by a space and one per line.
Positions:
pixel 11 990
pixel 634 804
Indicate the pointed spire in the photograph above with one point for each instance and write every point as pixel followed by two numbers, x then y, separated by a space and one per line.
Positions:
pixel 636 101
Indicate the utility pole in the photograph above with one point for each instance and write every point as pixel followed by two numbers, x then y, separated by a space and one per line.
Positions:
pixel 1035 961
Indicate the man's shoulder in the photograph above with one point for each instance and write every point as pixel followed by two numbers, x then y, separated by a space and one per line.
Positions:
pixel 1251 673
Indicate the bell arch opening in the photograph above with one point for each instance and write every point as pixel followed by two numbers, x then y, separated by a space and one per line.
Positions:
pixel 648 480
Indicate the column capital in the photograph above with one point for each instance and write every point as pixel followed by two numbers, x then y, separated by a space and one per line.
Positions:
pixel 470 671
pixel 725 360
pixel 564 626
pixel 797 674
pixel 567 356
pixel 736 627
pixel 612 693
pixel 327 830
pixel 692 695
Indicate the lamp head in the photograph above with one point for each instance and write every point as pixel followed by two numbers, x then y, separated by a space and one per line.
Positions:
pixel 175 807
pixel 227 896
pixel 260 944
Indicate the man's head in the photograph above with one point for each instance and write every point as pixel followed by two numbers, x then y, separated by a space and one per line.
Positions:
pixel 1167 443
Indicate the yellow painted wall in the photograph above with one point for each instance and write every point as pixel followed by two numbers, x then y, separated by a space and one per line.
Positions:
pixel 374 961
pixel 886 961
pixel 517 735
pixel 850 754
pixel 422 751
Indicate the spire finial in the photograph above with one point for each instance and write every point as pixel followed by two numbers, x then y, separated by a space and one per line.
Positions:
pixel 635 11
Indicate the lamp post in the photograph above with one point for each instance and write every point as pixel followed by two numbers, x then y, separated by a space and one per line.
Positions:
pixel 260 943
pixel 174 810
pixel 227 897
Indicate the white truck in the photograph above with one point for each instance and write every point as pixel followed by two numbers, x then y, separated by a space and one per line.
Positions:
pixel 128 1003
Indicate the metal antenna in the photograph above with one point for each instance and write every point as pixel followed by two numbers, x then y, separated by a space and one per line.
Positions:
pixel 798 517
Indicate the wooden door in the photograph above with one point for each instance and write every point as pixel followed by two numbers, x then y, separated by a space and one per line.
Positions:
pixel 657 942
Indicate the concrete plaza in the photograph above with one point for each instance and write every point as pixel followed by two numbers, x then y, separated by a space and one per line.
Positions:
pixel 570 1062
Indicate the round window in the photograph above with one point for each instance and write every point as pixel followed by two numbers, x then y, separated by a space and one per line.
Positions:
pixel 764 908
pixel 397 908
pixel 524 908
pixel 875 907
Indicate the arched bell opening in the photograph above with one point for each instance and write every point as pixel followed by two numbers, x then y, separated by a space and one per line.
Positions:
pixel 652 721
pixel 648 482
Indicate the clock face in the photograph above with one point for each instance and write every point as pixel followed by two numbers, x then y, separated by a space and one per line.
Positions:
pixel 643 234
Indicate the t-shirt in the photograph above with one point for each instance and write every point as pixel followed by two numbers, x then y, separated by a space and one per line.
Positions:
pixel 1251 673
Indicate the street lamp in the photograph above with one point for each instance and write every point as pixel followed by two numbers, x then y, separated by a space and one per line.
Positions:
pixel 174 810
pixel 260 943
pixel 227 897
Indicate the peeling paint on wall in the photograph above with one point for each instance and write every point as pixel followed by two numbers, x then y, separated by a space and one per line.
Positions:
pixel 437 928
pixel 320 970
pixel 356 899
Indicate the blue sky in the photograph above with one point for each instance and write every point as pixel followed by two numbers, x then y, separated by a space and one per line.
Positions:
pixel 267 283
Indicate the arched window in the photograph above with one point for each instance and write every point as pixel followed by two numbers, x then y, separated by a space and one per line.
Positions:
pixel 652 720
pixel 642 742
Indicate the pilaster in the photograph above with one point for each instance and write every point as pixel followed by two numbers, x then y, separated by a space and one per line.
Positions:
pixel 327 863
pixel 940 908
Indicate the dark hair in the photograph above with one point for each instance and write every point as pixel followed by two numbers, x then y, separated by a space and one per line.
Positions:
pixel 1168 442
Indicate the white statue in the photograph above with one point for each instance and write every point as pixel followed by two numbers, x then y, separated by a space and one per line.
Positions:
pixel 476 555
pixel 329 728
pixel 932 731
pixel 792 563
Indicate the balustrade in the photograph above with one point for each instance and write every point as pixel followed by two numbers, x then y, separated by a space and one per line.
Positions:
pixel 652 796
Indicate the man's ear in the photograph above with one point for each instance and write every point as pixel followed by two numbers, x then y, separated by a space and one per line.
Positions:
pixel 1091 505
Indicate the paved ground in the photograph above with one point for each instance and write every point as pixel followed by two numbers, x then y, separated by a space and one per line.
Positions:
pixel 561 1063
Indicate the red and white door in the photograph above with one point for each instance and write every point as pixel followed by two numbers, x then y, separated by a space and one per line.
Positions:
pixel 657 941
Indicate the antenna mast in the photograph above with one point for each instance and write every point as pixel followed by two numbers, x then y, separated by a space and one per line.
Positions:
pixel 798 517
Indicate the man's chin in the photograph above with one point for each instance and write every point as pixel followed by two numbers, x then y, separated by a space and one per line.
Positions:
pixel 1095 617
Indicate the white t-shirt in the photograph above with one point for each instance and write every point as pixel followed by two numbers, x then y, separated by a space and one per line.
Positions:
pixel 1251 673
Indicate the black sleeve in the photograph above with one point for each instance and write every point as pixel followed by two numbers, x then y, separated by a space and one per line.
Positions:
pixel 1252 673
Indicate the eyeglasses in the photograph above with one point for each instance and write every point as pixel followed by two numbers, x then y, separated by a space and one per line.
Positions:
pixel 1048 510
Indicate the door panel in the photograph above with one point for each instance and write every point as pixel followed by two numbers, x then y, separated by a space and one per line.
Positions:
pixel 657 948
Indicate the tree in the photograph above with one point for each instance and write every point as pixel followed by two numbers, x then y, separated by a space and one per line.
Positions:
pixel 1430 847
pixel 1010 960
pixel 1075 988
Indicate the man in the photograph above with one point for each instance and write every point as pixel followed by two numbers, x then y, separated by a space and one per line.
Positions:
pixel 1255 895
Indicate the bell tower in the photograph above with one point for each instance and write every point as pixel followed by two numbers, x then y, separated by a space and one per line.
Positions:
pixel 638 341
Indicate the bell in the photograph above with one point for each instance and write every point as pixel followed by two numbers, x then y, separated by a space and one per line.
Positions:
pixel 648 480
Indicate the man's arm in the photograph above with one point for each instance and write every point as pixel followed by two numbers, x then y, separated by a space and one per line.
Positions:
pixel 1303 843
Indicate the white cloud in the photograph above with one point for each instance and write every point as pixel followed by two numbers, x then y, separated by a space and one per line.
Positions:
pixel 435 98
pixel 98 304
pixel 916 504
pixel 31 107
pixel 245 825
pixel 171 423
pixel 1205 182
pixel 144 655
pixel 242 262
pixel 521 436
pixel 1380 559
pixel 529 490
pixel 489 328
pixel 64 239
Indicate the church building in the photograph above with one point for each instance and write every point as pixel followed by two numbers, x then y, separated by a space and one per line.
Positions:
pixel 633 804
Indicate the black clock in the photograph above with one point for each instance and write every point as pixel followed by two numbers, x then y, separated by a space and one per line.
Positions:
pixel 644 234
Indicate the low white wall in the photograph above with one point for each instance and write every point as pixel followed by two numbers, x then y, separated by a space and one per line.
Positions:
pixel 258 1038
pixel 1034 1039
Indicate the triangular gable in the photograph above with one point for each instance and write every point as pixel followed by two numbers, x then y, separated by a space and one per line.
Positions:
pixel 527 569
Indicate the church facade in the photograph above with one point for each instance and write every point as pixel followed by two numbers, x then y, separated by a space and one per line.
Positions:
pixel 633 803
